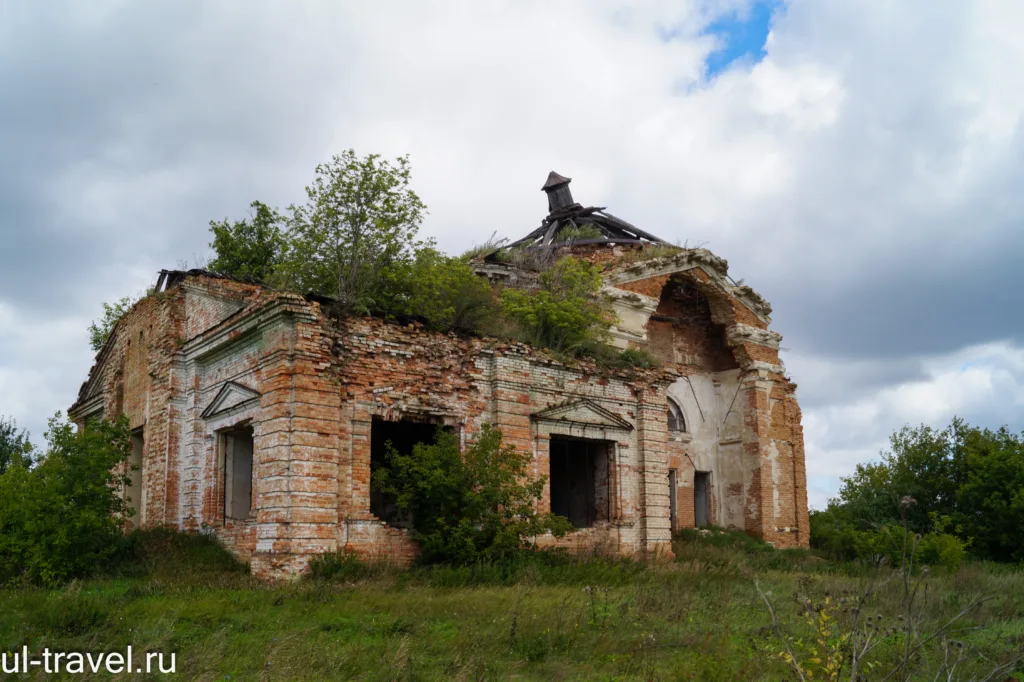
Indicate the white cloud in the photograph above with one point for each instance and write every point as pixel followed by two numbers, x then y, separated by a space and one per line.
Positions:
pixel 807 97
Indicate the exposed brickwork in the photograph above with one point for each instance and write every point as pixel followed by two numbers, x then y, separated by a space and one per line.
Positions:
pixel 651 286
pixel 598 254
pixel 688 336
pixel 751 352
pixel 210 355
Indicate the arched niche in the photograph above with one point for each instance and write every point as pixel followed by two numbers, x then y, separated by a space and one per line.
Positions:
pixel 689 327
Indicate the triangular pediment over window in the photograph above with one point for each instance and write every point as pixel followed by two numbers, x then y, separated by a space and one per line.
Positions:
pixel 230 396
pixel 583 413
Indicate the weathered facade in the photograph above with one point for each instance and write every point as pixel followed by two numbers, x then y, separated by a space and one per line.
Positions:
pixel 259 418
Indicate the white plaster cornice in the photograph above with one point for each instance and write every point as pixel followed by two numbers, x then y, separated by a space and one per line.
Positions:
pixel 737 334
pixel 582 412
pixel 667 265
pixel 762 366
pixel 632 310
pixel 630 298
pixel 86 408
pixel 753 300
pixel 231 396
pixel 716 268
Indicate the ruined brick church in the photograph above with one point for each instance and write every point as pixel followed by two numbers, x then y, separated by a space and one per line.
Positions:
pixel 260 419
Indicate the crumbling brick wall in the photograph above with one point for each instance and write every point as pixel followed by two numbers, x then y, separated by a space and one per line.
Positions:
pixel 682 332
pixel 405 372
pixel 714 332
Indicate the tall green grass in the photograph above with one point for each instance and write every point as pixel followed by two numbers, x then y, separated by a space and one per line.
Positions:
pixel 545 616
pixel 540 567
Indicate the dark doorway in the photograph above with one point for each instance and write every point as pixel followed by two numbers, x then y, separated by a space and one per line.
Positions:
pixel 133 492
pixel 237 445
pixel 403 437
pixel 673 501
pixel 579 480
pixel 701 484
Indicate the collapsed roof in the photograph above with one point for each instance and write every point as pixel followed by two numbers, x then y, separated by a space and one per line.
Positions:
pixel 568 221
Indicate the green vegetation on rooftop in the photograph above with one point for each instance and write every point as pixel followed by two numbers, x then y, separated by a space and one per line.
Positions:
pixel 355 240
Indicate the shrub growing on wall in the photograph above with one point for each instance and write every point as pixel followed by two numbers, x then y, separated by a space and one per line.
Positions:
pixel 249 248
pixel 359 223
pixel 467 507
pixel 355 240
pixel 61 519
pixel 99 330
pixel 566 313
pixel 445 291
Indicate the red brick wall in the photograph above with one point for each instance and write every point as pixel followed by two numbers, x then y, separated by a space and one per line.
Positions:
pixel 690 338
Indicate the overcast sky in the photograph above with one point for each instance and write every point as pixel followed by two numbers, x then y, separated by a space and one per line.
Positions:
pixel 858 163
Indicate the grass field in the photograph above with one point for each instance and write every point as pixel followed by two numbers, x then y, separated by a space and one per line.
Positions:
pixel 697 618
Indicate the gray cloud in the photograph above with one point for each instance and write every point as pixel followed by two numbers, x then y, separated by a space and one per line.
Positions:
pixel 127 131
pixel 822 381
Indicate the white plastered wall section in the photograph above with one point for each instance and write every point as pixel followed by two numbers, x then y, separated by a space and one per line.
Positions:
pixel 206 365
pixel 200 459
pixel 713 412
pixel 712 404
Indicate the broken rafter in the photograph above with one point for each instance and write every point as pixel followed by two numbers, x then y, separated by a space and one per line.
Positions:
pixel 614 229
pixel 566 213
pixel 623 225
pixel 550 234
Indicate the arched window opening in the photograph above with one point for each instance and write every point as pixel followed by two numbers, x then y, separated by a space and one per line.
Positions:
pixel 676 421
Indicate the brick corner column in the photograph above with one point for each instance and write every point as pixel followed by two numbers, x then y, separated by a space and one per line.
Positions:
pixel 803 521
pixel 652 456
pixel 759 519
pixel 297 441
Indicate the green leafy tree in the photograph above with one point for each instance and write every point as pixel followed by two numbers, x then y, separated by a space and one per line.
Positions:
pixel 467 507
pixel 251 248
pixel 991 495
pixel 63 518
pixel 355 241
pixel 99 330
pixel 447 292
pixel 15 446
pixel 566 312
pixel 972 479
pixel 923 463
pixel 355 233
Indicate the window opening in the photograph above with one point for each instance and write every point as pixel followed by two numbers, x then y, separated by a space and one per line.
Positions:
pixel 404 436
pixel 673 501
pixel 579 480
pixel 676 421
pixel 133 493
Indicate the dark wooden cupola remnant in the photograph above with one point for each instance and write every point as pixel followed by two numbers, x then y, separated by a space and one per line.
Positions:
pixel 559 194
pixel 569 222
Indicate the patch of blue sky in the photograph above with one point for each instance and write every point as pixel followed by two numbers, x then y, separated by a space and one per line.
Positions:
pixel 740 36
